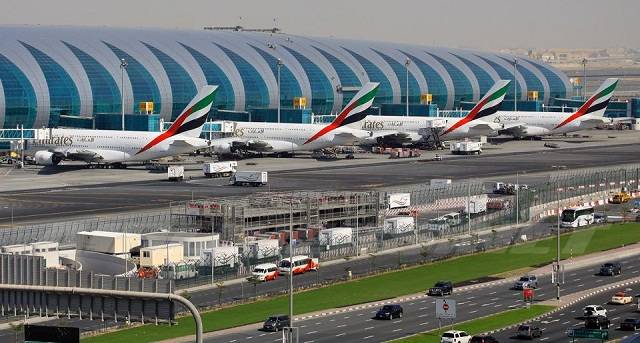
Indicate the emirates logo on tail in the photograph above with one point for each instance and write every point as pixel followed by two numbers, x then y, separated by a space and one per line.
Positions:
pixel 598 102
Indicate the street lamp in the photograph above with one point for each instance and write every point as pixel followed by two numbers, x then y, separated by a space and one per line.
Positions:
pixel 406 65
pixel 123 66
pixel 279 64
pixel 557 169
pixel 515 84
pixel 584 78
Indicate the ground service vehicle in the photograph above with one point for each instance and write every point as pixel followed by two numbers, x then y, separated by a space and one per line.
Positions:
pixel 477 204
pixel 577 216
pixel 483 339
pixel 441 288
pixel 455 336
pixel 597 322
pixel 276 323
pixel 528 331
pixel 621 298
pixel 265 272
pixel 249 178
pixel 466 148
pixel 527 281
pixel 175 173
pixel 301 264
pixel 389 312
pixel 611 268
pixel 219 169
pixel 631 324
pixel 594 310
pixel 621 197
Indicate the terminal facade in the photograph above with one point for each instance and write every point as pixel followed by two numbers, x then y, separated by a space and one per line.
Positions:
pixel 46 72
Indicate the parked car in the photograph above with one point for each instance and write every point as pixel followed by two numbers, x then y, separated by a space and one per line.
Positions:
pixel 455 336
pixel 437 157
pixel 621 298
pixel 528 331
pixel 594 310
pixel 6 160
pixel 483 339
pixel 611 268
pixel 631 324
pixel 389 312
pixel 597 322
pixel 527 281
pixel 276 323
pixel 441 288
pixel 599 218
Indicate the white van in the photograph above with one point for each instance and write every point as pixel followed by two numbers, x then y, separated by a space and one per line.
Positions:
pixel 265 272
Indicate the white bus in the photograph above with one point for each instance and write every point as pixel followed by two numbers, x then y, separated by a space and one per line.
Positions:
pixel 577 216
pixel 301 264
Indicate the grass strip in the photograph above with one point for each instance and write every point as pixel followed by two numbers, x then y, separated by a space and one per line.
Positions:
pixel 393 284
pixel 480 325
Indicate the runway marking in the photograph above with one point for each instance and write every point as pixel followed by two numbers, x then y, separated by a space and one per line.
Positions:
pixel 368 337
pixel 341 326
pixel 341 334
pixel 369 328
pixel 311 332
pixel 494 299
pixel 422 315
pixel 422 324
pixel 423 308
pixel 396 330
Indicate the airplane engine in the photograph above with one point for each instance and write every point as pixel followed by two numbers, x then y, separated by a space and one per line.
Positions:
pixel 535 131
pixel 45 158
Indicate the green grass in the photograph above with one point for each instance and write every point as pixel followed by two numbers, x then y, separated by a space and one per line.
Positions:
pixel 478 326
pixel 393 284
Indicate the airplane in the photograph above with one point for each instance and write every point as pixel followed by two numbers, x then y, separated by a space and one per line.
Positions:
pixel 395 130
pixel 283 139
pixel 114 148
pixel 533 124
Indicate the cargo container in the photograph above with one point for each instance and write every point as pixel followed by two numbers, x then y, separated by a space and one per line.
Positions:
pixel 398 200
pixel 336 236
pixel 107 242
pixel 439 183
pixel 263 248
pixel 466 148
pixel 227 255
pixel 219 169
pixel 476 204
pixel 175 173
pixel 249 178
pixel 398 225
pixel 157 255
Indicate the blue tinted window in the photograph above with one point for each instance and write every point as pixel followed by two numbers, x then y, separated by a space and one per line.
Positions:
pixel 347 77
pixel 557 88
pixel 256 93
pixel 63 94
pixel 144 87
pixel 461 84
pixel 401 73
pixel 435 83
pixel 321 90
pixel 485 81
pixel 504 75
pixel 533 83
pixel 225 99
pixel 104 90
pixel 19 97
pixel 289 87
pixel 183 90
pixel 385 92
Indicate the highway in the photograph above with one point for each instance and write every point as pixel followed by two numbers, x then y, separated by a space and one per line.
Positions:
pixel 73 202
pixel 419 314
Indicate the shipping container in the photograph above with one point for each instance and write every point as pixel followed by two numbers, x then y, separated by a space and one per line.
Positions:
pixel 227 255
pixel 219 169
pixel 476 204
pixel 107 242
pixel 249 178
pixel 336 236
pixel 263 248
pixel 398 225
pixel 398 200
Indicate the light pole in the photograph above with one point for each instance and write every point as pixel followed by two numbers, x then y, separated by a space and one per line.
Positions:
pixel 279 64
pixel 290 332
pixel 123 66
pixel 584 78
pixel 515 84
pixel 406 65
pixel 517 200
pixel 558 168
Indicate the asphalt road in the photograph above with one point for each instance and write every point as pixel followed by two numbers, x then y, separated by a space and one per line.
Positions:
pixel 70 202
pixel 419 314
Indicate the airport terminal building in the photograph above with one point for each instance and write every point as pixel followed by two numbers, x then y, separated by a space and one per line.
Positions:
pixel 46 72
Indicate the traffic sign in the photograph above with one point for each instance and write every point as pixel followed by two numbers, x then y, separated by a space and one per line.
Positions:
pixel 601 335
pixel 445 308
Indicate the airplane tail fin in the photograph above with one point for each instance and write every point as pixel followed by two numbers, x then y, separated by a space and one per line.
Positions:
pixel 189 123
pixel 488 104
pixel 353 111
pixel 597 103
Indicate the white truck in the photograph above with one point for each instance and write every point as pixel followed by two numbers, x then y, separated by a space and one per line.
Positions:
pixel 476 204
pixel 439 183
pixel 466 148
pixel 398 225
pixel 336 236
pixel 175 173
pixel 399 200
pixel 249 178
pixel 219 169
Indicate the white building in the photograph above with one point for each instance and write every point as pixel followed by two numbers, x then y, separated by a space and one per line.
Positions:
pixel 193 243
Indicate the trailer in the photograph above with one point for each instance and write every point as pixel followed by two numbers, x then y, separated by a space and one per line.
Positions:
pixel 175 173
pixel 249 178
pixel 398 225
pixel 398 200
pixel 466 148
pixel 336 236
pixel 219 169
pixel 476 204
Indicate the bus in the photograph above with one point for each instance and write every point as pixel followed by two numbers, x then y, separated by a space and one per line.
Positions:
pixel 301 264
pixel 577 216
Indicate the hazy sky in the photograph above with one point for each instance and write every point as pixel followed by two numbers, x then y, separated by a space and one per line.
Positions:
pixel 487 24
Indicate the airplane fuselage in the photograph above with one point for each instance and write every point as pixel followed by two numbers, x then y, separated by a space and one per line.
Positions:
pixel 541 123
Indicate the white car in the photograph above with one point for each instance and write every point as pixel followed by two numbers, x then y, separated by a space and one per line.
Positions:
pixel 265 272
pixel 621 298
pixel 594 310
pixel 455 336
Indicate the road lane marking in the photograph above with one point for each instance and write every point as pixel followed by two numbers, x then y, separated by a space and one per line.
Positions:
pixel 311 332
pixel 368 337
pixel 341 334
pixel 487 304
pixel 396 330
pixel 472 312
pixel 341 326
pixel 369 328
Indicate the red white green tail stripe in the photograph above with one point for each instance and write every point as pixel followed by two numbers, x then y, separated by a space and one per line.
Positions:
pixel 360 102
pixel 597 104
pixel 488 105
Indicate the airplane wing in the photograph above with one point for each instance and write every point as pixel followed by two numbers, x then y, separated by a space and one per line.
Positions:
pixel 520 130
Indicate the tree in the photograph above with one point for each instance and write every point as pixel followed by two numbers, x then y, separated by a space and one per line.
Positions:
pixel 425 251
pixel 220 285
pixel 372 262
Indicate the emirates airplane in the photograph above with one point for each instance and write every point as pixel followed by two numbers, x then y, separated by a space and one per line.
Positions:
pixel 530 124
pixel 114 148
pixel 283 138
